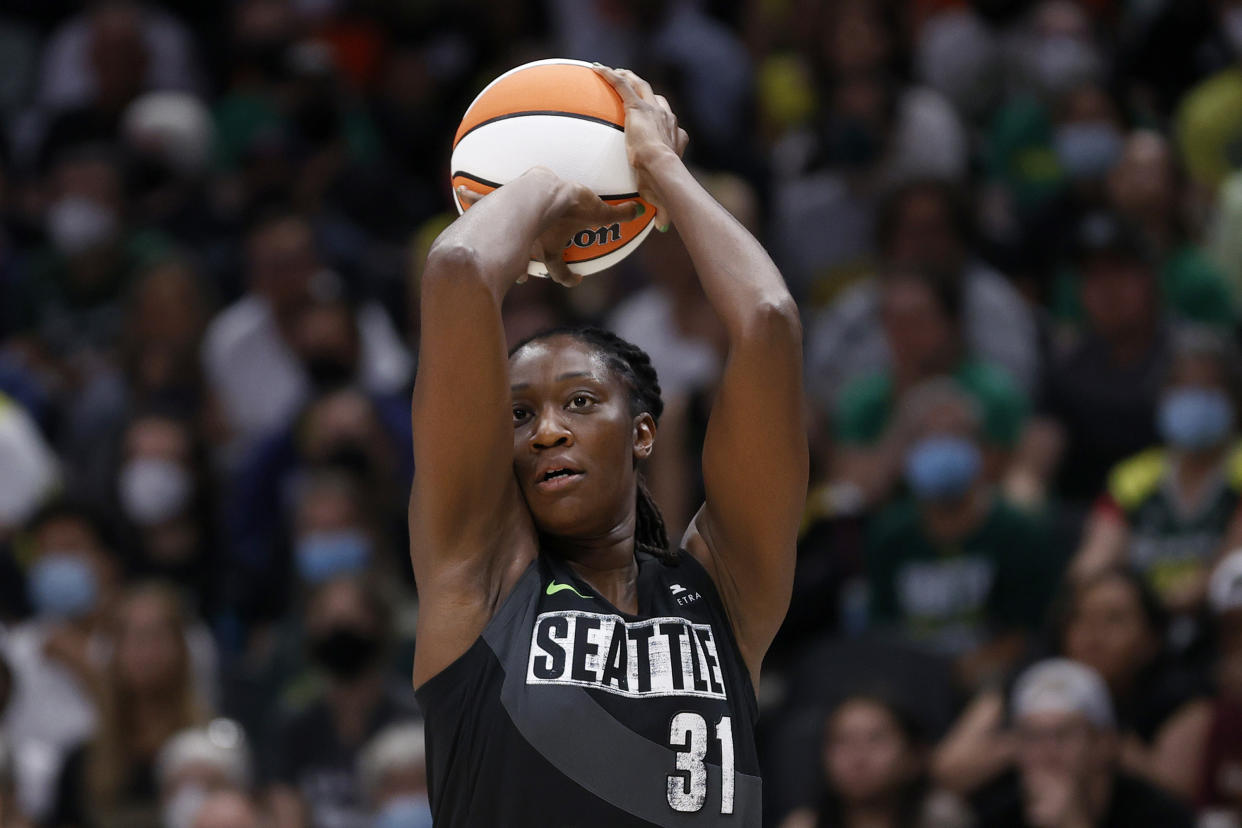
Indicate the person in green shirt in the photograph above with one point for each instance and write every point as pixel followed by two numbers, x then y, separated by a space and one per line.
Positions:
pixel 922 321
pixel 956 568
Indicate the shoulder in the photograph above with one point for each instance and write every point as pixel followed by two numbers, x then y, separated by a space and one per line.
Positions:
pixel 1138 802
pixel 863 407
pixel 1134 480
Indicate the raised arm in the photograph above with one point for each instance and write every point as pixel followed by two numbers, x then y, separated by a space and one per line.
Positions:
pixel 755 459
pixel 465 504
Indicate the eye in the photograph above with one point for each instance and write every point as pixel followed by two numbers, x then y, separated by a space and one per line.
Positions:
pixel 520 413
pixel 580 401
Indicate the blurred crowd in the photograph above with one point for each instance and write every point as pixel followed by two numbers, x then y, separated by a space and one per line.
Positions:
pixel 1014 229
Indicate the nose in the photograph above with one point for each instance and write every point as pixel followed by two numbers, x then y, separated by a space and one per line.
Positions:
pixel 550 431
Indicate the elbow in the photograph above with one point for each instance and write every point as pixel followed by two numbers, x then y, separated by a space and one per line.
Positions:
pixel 451 259
pixel 774 319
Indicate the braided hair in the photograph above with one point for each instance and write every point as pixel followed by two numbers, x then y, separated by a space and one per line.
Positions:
pixel 632 364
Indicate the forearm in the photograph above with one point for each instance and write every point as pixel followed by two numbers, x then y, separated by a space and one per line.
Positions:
pixel 492 240
pixel 736 273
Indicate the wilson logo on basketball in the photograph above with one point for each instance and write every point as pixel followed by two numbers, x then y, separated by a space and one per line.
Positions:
pixel 597 237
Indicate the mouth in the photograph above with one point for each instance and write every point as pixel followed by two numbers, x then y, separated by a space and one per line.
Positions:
pixel 557 478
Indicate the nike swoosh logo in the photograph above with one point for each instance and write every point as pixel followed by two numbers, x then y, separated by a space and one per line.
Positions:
pixel 554 587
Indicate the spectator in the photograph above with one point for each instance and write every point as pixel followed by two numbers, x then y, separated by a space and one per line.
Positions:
pixel 874 766
pixel 1207 121
pixel 366 440
pixel 1114 626
pixel 73 578
pixel 923 226
pixel 10 810
pixel 1067 756
pixel 393 771
pixel 315 751
pixel 147 692
pixel 1102 384
pixel 197 763
pixel 164 493
pixel 1171 511
pixel 922 322
pixel 250 355
pixel 957 568
pixel 1221 747
pixel 228 809
pixel 1147 188
pixel 30 472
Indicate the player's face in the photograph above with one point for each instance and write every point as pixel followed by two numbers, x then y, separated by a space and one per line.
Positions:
pixel 574 439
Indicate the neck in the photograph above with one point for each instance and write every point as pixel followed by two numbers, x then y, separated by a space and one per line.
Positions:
pixel 949 522
pixel 606 562
pixel 1129 347
pixel 871 815
pixel 352 704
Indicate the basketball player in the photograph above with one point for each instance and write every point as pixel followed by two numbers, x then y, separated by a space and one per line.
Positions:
pixel 574 670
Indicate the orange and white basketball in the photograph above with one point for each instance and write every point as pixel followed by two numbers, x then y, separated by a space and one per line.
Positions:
pixel 561 115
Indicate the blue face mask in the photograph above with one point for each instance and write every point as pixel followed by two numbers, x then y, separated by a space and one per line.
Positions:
pixel 322 556
pixel 1086 150
pixel 62 585
pixel 942 468
pixel 1195 418
pixel 405 812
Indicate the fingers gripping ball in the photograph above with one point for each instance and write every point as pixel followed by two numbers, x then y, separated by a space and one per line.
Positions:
pixel 561 115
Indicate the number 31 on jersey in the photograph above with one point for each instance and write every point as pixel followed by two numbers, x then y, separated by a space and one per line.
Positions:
pixel 687 787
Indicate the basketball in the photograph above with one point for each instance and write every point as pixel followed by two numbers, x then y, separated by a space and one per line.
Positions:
pixel 561 115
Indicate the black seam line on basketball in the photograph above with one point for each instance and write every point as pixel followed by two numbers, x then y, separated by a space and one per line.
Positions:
pixel 496 186
pixel 579 115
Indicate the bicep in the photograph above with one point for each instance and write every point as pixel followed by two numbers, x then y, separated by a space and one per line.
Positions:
pixel 755 468
pixel 463 439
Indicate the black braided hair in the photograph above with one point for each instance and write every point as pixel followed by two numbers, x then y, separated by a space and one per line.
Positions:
pixel 632 364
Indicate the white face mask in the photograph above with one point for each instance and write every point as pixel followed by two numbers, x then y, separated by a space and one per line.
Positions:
pixel 77 224
pixel 1232 24
pixel 183 807
pixel 153 489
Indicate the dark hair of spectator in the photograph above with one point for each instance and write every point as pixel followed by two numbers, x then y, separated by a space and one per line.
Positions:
pixel 951 199
pixel 633 366
pixel 69 509
pixel 1066 605
pixel 831 811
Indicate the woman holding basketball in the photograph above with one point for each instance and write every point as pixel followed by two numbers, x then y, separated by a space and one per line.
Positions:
pixel 573 670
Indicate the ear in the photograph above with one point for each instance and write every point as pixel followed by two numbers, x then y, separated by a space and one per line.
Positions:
pixel 644 436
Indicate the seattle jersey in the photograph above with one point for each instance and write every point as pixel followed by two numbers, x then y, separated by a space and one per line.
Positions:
pixel 568 713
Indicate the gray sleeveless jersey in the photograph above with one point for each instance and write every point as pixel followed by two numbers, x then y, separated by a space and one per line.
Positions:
pixel 568 712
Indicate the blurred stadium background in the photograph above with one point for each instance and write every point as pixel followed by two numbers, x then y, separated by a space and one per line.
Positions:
pixel 1014 229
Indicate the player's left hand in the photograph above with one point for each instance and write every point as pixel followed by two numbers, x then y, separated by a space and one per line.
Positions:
pixel 650 131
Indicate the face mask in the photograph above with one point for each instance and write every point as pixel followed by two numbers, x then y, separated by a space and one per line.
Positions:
pixel 322 556
pixel 410 811
pixel 62 585
pixel 153 490
pixel 1061 61
pixel 1195 418
pixel 181 810
pixel 344 651
pixel 77 224
pixel 329 371
pixel 1087 150
pixel 1232 25
pixel 942 468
